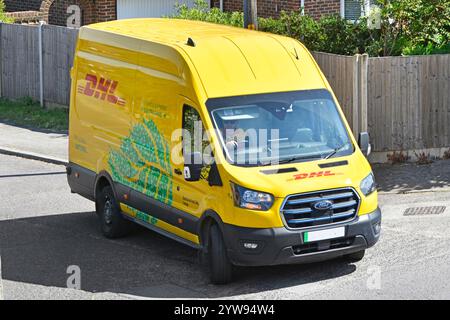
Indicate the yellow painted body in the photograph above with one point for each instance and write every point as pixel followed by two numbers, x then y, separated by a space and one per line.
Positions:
pixel 156 73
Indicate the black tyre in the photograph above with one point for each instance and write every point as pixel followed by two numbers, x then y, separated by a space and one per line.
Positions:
pixel 356 256
pixel 221 269
pixel 113 225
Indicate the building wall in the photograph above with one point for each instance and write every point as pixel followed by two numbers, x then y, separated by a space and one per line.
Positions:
pixel 272 8
pixel 266 8
pixel 58 11
pixel 55 11
pixel 22 5
pixel 319 8
pixel 106 10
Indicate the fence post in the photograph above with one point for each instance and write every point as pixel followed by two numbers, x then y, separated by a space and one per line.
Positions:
pixel 356 92
pixel 41 66
pixel 250 14
pixel 364 72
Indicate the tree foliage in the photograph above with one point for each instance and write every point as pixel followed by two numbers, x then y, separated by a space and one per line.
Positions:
pixel 406 27
pixel 3 17
pixel 143 162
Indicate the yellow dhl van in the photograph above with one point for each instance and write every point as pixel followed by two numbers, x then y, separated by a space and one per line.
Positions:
pixel 296 189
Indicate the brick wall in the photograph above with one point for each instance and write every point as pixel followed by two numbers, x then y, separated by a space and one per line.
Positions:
pixel 58 11
pixel 22 5
pixel 319 8
pixel 272 8
pixel 106 10
pixel 266 8
pixel 55 11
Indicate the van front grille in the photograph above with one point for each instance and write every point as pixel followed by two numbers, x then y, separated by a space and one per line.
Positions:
pixel 303 210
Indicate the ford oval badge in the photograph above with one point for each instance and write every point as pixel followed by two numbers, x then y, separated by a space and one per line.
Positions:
pixel 323 205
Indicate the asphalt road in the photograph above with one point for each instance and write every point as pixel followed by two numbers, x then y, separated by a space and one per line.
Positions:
pixel 44 229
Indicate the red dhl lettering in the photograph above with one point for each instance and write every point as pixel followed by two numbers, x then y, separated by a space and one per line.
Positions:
pixel 317 174
pixel 102 89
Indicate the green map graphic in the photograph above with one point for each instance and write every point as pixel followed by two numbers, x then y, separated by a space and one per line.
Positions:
pixel 143 162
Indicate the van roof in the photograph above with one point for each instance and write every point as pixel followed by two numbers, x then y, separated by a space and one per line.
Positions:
pixel 230 61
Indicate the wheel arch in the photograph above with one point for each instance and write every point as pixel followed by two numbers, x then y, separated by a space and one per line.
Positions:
pixel 102 180
pixel 208 218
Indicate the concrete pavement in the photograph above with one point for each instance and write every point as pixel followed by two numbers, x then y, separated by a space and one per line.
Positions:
pixel 44 229
pixel 34 144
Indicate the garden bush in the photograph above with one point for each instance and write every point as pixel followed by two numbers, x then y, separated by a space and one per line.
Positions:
pixel 407 27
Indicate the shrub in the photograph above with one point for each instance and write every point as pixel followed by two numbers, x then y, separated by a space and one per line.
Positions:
pixel 423 158
pixel 3 17
pixel 446 155
pixel 398 157
pixel 202 12
pixel 407 27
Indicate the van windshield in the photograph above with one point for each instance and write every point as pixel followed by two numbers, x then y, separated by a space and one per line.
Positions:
pixel 277 128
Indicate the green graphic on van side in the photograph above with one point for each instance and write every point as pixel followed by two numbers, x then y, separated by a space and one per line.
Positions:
pixel 142 216
pixel 143 162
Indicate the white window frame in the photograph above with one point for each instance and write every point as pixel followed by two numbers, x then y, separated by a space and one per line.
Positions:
pixel 365 9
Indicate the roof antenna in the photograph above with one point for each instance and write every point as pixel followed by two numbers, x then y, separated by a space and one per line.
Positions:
pixel 190 42
pixel 296 54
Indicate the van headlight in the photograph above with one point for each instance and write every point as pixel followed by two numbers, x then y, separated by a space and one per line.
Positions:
pixel 251 199
pixel 368 185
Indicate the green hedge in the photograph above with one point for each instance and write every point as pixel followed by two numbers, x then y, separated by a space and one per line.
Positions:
pixel 407 27
pixel 3 17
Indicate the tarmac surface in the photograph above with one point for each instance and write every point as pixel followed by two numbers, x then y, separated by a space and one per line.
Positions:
pixel 46 232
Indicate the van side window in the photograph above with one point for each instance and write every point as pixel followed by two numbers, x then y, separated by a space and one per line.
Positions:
pixel 193 132
pixel 195 141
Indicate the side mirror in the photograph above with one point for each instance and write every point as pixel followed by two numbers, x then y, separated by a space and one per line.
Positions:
pixel 193 165
pixel 364 143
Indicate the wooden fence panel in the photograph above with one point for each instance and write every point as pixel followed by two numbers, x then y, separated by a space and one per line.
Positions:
pixel 339 71
pixel 408 98
pixel 19 61
pixel 58 51
pixel 409 104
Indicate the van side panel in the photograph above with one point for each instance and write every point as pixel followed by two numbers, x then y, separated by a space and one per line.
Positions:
pixel 103 93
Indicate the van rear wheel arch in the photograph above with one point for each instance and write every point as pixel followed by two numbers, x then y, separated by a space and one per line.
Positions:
pixel 102 181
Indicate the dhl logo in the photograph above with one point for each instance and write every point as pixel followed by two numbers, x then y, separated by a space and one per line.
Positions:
pixel 102 89
pixel 317 174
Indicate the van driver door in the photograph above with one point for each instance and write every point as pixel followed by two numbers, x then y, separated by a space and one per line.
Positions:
pixel 190 195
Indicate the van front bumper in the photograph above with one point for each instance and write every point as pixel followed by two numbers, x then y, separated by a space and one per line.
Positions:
pixel 277 246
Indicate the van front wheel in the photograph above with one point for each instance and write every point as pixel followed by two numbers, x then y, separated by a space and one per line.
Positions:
pixel 356 256
pixel 113 225
pixel 220 266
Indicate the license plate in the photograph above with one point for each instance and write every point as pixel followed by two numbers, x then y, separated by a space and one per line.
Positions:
pixel 311 236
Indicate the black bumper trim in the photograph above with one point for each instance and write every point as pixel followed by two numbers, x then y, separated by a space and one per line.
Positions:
pixel 275 245
pixel 81 180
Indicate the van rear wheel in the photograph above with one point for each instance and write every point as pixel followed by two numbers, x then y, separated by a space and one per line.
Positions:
pixel 113 225
pixel 221 268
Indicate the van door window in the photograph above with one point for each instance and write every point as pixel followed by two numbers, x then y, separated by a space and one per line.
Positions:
pixel 193 131
pixel 196 145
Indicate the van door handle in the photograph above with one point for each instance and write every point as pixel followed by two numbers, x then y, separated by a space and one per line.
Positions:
pixel 178 172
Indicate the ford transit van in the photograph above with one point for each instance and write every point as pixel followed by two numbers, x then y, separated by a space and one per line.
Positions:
pixel 228 140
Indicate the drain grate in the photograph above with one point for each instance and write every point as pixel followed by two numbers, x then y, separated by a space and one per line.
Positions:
pixel 423 211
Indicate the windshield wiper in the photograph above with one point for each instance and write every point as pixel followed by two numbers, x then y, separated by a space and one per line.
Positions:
pixel 336 150
pixel 293 159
